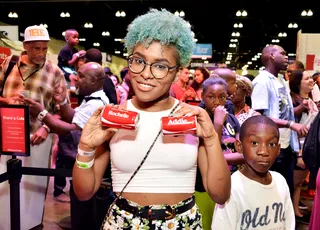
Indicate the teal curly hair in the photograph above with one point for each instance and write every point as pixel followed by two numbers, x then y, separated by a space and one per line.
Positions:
pixel 164 27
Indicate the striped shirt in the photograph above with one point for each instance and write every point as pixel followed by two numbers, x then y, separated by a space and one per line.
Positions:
pixel 40 80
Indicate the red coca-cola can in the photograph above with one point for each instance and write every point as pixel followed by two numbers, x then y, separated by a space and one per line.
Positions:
pixel 179 125
pixel 119 118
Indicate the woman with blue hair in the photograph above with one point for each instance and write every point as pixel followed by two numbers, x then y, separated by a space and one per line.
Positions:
pixel 153 175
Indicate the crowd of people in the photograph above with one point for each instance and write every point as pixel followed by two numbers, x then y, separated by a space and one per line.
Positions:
pixel 241 168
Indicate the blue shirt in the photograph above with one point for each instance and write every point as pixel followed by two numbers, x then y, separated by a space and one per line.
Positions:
pixel 275 102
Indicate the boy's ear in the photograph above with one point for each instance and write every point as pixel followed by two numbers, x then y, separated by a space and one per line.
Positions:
pixel 238 146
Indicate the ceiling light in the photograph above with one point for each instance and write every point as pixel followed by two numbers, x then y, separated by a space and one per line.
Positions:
pixel 290 25
pixel 240 25
pixel 235 25
pixel 63 33
pixel 44 25
pixel 88 25
pixel 82 39
pixel 120 14
pixel 238 14
pixel 295 25
pixel 244 13
pixel 62 15
pixel 96 44
pixel 304 13
pixel 67 15
pixel 310 13
pixel 117 52
pixel 105 33
pixel 182 14
pixel 13 15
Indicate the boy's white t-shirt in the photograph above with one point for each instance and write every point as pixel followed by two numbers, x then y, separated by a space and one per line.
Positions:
pixel 253 205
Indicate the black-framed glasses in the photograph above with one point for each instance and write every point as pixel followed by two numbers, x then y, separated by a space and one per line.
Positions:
pixel 157 69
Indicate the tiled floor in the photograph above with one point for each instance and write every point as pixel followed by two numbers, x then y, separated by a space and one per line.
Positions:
pixel 55 211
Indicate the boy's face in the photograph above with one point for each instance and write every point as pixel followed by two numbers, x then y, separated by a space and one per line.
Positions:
pixel 260 147
pixel 72 38
pixel 214 96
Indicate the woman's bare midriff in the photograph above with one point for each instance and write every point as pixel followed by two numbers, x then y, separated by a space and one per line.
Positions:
pixel 145 199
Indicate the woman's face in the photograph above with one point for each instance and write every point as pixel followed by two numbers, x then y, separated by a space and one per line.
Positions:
pixel 214 96
pixel 114 80
pixel 146 87
pixel 239 96
pixel 307 83
pixel 198 76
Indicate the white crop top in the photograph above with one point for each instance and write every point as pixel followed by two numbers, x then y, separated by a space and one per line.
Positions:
pixel 171 164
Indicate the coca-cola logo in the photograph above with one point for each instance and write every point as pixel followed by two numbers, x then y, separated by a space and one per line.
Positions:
pixel 179 121
pixel 118 114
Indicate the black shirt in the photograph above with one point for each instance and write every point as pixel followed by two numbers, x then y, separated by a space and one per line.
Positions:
pixel 64 56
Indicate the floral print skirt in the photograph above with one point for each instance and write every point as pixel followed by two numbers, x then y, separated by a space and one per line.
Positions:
pixel 120 219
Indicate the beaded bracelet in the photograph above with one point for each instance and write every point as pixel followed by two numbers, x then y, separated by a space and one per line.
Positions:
pixel 84 165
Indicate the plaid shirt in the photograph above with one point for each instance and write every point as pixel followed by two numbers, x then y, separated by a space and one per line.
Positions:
pixel 41 81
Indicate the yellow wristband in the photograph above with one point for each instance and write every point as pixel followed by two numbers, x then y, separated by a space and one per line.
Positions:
pixel 84 165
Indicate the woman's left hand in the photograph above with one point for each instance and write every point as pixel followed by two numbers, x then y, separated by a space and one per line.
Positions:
pixel 204 124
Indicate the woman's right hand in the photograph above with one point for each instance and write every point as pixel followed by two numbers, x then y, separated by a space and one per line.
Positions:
pixel 94 134
pixel 220 115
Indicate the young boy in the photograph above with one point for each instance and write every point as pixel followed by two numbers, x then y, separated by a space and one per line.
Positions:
pixel 260 199
pixel 214 96
pixel 69 55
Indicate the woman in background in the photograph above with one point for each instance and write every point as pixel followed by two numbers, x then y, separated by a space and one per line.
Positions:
pixel 305 110
pixel 199 76
pixel 244 89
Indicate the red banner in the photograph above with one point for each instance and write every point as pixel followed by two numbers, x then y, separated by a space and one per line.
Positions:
pixel 13 130
pixel 4 52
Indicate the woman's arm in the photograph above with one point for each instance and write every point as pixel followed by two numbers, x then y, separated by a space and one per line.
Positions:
pixel 214 169
pixel 94 138
pixel 86 182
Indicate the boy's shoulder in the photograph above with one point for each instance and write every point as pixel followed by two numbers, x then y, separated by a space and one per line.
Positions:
pixel 237 178
pixel 277 177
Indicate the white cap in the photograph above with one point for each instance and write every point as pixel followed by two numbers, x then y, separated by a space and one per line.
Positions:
pixel 36 33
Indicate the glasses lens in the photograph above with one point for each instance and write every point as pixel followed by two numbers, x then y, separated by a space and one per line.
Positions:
pixel 136 65
pixel 159 70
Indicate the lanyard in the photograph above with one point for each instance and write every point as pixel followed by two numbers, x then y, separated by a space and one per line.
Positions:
pixel 29 74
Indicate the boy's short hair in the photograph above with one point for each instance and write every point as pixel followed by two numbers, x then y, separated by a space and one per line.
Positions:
pixel 93 55
pixel 164 27
pixel 259 119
